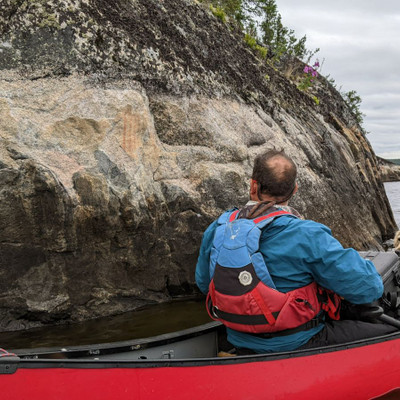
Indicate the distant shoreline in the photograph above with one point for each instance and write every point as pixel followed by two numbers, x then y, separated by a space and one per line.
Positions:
pixel 394 161
pixel 389 169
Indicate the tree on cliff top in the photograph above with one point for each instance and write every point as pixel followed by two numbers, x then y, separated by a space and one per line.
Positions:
pixel 261 22
pixel 261 19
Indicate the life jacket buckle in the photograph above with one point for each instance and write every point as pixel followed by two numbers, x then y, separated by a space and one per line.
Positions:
pixel 213 311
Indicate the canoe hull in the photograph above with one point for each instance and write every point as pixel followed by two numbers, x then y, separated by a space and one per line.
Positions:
pixel 183 365
pixel 360 372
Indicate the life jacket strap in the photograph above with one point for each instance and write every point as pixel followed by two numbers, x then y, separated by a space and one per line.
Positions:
pixel 232 217
pixel 258 319
pixel 305 327
pixel 263 306
pixel 267 317
pixel 330 302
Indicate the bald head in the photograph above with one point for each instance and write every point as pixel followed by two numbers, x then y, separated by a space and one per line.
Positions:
pixel 275 174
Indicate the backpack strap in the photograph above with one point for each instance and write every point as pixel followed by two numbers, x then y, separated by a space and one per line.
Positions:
pixel 266 219
pixel 260 221
pixel 253 244
pixel 227 215
pixel 232 215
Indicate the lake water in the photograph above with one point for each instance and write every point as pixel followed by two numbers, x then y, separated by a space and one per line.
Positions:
pixel 151 321
pixel 393 194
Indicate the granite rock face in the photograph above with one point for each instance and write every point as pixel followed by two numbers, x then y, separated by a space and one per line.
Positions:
pixel 126 127
pixel 390 172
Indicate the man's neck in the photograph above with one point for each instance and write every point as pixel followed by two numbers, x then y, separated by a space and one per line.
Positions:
pixel 257 199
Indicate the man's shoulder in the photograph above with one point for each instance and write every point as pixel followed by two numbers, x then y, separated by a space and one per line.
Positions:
pixel 302 226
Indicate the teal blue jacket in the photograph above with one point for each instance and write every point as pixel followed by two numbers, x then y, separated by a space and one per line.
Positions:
pixel 298 252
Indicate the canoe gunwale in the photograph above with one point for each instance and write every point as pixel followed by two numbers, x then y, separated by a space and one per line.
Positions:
pixel 29 363
pixel 117 347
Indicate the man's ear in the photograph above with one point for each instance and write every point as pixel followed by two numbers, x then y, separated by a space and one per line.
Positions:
pixel 253 189
pixel 296 188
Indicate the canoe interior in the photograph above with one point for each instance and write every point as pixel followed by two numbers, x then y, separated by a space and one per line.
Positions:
pixel 203 342
pixel 184 349
pixel 197 342
pixel 362 370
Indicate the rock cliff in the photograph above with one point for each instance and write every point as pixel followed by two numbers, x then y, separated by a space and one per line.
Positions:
pixel 390 172
pixel 126 127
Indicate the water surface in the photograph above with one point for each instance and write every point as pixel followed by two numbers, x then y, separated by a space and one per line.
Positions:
pixel 393 194
pixel 151 321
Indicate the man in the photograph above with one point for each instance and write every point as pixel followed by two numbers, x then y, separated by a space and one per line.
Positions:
pixel 279 300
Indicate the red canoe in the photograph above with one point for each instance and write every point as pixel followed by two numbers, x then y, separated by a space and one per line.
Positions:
pixel 184 365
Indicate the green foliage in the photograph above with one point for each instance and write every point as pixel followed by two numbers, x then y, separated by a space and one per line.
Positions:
pixel 353 100
pixel 233 8
pixel 262 51
pixel 218 12
pixel 264 32
pixel 316 100
pixel 261 20
pixel 252 43
pixel 224 9
pixel 331 81
pixel 305 83
pixel 310 74
pixel 280 40
pixel 250 40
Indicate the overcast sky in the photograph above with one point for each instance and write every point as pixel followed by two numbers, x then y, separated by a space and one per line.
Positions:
pixel 360 43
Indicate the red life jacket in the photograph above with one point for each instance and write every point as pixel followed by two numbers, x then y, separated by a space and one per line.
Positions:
pixel 242 294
